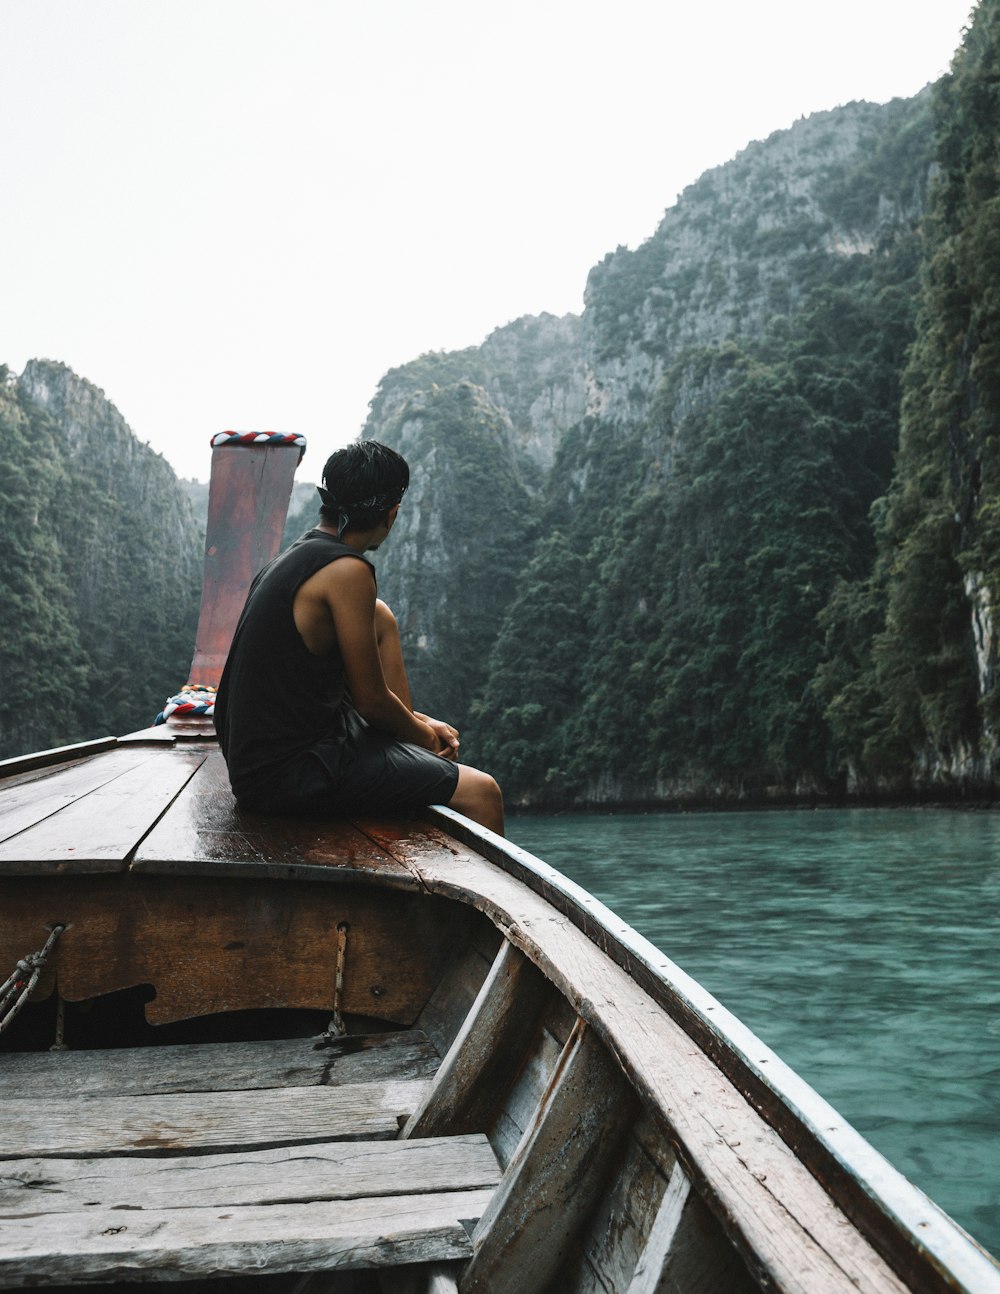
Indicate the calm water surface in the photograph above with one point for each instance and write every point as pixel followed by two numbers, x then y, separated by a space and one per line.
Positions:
pixel 862 945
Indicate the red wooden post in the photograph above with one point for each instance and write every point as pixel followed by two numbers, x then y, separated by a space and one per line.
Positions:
pixel 247 502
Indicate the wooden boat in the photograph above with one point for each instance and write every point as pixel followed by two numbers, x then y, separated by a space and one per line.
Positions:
pixel 399 1056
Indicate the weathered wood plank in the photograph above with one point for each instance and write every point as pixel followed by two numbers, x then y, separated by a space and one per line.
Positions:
pixel 215 1067
pixel 482 1062
pixel 614 1237
pixel 204 832
pixel 686 1251
pixel 557 1174
pixel 521 1102
pixel 19 764
pixel 786 1225
pixel 208 945
pixel 659 1239
pixel 177 1244
pixel 98 831
pixel 34 796
pixel 172 1124
pixel 341 1170
pixel 453 995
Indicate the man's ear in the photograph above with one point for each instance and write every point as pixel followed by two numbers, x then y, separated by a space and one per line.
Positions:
pixel 391 515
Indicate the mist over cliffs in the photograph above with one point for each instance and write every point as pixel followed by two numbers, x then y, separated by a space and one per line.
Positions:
pixel 100 561
pixel 732 532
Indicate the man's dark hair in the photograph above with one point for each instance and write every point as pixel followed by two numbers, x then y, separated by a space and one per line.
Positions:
pixel 362 482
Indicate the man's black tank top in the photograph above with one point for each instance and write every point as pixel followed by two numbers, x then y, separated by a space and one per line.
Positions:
pixel 275 698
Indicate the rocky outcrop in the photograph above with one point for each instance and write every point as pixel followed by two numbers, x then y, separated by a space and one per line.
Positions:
pixel 748 239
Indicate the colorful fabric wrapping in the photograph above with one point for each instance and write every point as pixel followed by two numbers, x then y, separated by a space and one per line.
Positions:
pixel 260 438
pixel 191 701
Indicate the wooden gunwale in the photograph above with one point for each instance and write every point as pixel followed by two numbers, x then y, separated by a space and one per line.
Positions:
pixel 57 755
pixel 918 1240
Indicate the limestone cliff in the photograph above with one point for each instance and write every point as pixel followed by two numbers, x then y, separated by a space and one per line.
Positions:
pixel 101 558
pixel 449 567
pixel 534 370
pixel 799 255
pixel 749 239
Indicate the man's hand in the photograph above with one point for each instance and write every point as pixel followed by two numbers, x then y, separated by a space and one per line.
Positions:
pixel 447 735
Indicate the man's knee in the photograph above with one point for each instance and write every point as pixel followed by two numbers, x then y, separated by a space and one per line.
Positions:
pixel 479 797
pixel 478 788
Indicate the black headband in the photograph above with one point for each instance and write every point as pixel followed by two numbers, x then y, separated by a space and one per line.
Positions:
pixel 378 503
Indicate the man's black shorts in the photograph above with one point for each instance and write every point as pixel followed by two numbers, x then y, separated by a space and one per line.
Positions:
pixel 369 773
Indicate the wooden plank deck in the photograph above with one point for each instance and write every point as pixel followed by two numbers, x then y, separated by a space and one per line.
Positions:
pixel 30 797
pixel 204 831
pixel 167 808
pixel 232 1177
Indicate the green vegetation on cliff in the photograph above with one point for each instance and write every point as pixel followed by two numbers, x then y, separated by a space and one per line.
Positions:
pixel 924 686
pixel 99 567
pixel 665 630
pixel 467 504
pixel 743 579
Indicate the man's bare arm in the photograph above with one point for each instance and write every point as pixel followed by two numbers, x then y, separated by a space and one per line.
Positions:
pixel 345 591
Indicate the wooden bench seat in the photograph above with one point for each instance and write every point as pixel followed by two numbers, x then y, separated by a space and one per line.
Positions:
pixel 303 1209
pixel 219 1066
pixel 193 1168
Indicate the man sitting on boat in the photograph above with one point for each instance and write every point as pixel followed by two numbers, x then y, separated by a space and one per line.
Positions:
pixel 313 711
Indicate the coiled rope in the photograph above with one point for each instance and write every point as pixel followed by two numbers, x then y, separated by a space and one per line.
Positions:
pixel 16 989
pixel 194 700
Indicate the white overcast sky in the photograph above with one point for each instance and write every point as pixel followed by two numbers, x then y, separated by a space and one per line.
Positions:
pixel 240 213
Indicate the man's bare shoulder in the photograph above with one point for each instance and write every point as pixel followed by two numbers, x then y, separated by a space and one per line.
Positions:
pixel 350 573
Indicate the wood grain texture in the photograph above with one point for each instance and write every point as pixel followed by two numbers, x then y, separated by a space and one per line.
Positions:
pixel 210 944
pixel 615 1236
pixel 31 797
pixel 530 1080
pixel 170 1123
pixel 322 1171
pixel 20 764
pixel 789 1230
pixel 691 1252
pixel 551 1185
pixel 454 994
pixel 178 1244
pixel 474 1076
pixel 205 833
pixel 247 501
pixel 216 1067
pixel 97 830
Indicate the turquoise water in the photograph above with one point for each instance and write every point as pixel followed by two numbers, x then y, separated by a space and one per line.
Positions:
pixel 862 945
